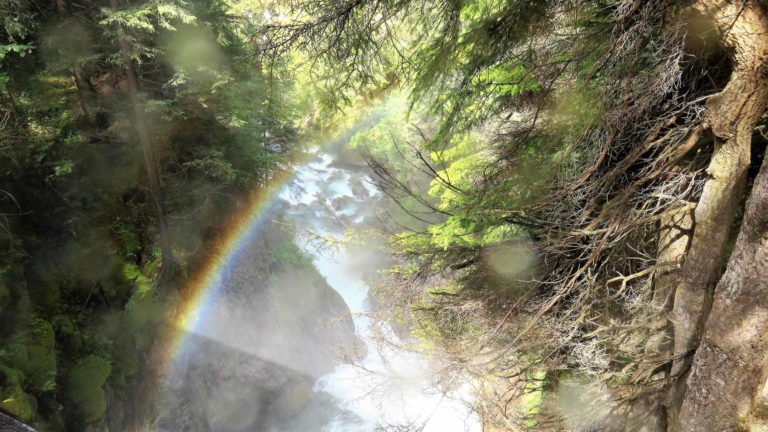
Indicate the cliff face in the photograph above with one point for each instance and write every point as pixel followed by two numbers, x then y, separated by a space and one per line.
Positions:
pixel 262 341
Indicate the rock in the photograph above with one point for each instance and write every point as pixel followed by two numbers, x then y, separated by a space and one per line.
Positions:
pixel 275 327
pixel 18 403
pixel 341 203
pixel 349 158
pixel 85 387
pixel 224 389
pixel 358 188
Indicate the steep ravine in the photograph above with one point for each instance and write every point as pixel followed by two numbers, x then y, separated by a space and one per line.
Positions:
pixel 289 343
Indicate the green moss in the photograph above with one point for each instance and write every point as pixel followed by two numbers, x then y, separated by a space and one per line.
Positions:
pixel 12 397
pixel 85 387
pixel 47 295
pixel 131 271
pixel 532 397
pixel 14 400
pixel 11 376
pixel 32 351
pixel 761 411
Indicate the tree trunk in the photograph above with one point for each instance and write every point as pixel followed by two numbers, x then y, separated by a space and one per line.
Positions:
pixel 730 366
pixel 731 116
pixel 674 238
pixel 167 262
pixel 84 91
pixel 649 413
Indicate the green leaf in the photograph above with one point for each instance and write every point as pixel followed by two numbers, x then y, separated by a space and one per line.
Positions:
pixel 63 168
pixel 21 49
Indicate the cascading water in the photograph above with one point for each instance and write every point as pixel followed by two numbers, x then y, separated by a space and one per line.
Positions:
pixel 277 343
pixel 389 385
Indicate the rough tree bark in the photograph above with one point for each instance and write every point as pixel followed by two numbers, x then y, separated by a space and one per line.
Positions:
pixel 731 116
pixel 730 366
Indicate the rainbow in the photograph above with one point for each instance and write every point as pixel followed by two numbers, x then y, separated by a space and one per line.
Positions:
pixel 198 294
pixel 226 250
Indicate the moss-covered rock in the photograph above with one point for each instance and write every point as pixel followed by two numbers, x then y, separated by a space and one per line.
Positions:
pixel 14 400
pixel 32 351
pixel 85 387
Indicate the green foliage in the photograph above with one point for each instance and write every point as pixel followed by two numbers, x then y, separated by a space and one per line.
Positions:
pixel 463 58
pixel 212 164
pixel 137 26
pixel 17 22
pixel 531 400
pixel 20 49
pixel 63 168
pixel 79 232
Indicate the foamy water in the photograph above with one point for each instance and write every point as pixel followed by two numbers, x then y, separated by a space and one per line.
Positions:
pixel 389 386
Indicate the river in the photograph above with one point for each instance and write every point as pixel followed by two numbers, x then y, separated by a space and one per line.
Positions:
pixel 295 345
pixel 389 386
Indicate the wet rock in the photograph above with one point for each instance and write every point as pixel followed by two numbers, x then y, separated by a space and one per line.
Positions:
pixel 341 203
pixel 358 188
pixel 336 175
pixel 349 158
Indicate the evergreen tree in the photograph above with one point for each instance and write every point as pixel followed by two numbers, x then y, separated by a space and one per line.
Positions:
pixel 126 143
pixel 620 141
